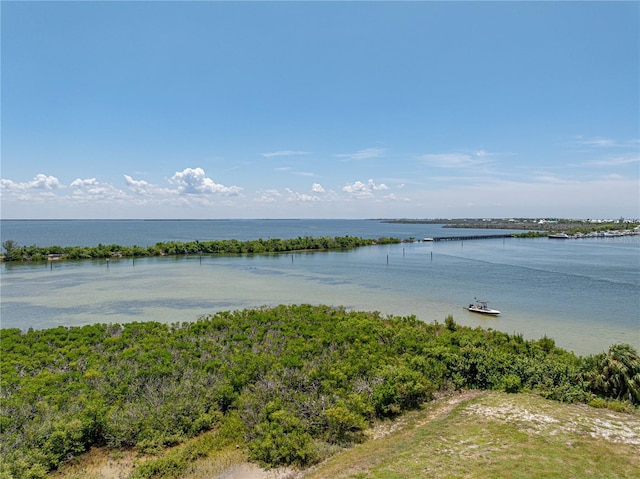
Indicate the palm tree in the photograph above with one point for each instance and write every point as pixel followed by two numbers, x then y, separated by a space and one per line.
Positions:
pixel 618 374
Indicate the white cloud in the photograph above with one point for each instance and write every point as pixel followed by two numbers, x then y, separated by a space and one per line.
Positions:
pixel 301 197
pixel 39 182
pixel 89 184
pixel 392 197
pixel 363 154
pixel 45 182
pixel 145 188
pixel 193 181
pixel 138 186
pixel 613 161
pixel 285 153
pixel 551 192
pixel 92 189
pixel 192 188
pixel 381 186
pixel 596 141
pixel 268 196
pixel 362 190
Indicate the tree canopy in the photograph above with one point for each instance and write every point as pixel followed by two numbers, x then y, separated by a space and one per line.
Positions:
pixel 15 252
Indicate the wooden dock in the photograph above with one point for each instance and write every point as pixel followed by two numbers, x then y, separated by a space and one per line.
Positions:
pixel 470 237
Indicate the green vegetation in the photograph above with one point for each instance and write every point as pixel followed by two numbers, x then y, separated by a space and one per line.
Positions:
pixel 293 383
pixel 15 252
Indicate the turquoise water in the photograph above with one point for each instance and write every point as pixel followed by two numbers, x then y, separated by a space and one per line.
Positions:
pixel 583 293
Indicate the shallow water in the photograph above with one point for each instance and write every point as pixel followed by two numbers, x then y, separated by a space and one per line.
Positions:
pixel 583 293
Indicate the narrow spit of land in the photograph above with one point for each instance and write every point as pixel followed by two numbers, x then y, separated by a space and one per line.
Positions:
pixel 15 252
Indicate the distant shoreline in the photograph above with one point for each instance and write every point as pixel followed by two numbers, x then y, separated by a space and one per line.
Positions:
pixel 550 226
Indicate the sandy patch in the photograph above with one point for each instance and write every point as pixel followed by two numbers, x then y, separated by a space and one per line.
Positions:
pixel 252 471
pixel 573 419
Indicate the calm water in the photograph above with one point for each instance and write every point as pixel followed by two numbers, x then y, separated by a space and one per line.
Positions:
pixel 150 232
pixel 583 293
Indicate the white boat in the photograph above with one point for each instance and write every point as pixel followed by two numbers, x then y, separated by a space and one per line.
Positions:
pixel 560 236
pixel 482 308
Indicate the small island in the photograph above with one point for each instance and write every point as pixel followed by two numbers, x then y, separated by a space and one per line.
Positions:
pixel 16 252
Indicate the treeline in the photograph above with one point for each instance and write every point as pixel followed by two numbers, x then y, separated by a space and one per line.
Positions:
pixel 15 252
pixel 293 383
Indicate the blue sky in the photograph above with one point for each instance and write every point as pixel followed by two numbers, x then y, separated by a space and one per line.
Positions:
pixel 320 109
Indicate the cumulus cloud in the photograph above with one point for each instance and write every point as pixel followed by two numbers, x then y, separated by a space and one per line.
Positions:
pixel 138 186
pixel 45 182
pixel 268 196
pixel 88 183
pixel 361 190
pixel 394 197
pixel 39 182
pixel 94 189
pixel 145 188
pixel 191 188
pixel 363 154
pixel 40 188
pixel 317 188
pixel 301 197
pixel 195 182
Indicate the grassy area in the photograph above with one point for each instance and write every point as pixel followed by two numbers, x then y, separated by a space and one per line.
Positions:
pixel 471 434
pixel 485 435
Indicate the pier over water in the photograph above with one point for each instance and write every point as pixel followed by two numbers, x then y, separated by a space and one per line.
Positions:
pixel 469 237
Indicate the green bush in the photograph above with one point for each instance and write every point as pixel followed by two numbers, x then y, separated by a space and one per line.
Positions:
pixel 400 388
pixel 599 403
pixel 281 439
pixel 511 383
pixel 344 426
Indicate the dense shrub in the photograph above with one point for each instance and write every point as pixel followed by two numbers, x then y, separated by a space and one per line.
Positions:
pixel 291 380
